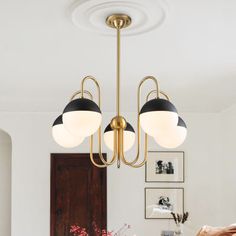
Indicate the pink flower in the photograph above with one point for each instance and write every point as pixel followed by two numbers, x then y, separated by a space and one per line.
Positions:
pixel 78 231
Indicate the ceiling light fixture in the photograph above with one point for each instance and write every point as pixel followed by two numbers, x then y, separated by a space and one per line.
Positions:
pixel 82 117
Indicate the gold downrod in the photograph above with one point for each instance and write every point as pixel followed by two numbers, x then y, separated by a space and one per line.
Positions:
pixel 118 21
pixel 118 73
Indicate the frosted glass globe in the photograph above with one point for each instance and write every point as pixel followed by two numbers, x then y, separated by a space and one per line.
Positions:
pixel 172 137
pixel 158 114
pixel 82 117
pixel 129 137
pixel 63 137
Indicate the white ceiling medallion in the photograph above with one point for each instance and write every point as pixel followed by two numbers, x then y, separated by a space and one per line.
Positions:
pixel 146 15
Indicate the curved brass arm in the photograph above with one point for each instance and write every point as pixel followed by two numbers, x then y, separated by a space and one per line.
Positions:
pixel 105 162
pixel 149 78
pixel 133 163
pixel 91 155
pixel 89 77
pixel 155 91
pixel 100 148
pixel 91 138
pixel 80 92
pixel 118 152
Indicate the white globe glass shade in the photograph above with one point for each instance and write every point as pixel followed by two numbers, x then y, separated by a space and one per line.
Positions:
pixel 129 138
pixel 155 121
pixel 172 137
pixel 82 123
pixel 82 117
pixel 156 115
pixel 63 137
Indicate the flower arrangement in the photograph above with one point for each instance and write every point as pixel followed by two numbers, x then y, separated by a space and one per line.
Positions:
pixel 76 230
pixel 180 219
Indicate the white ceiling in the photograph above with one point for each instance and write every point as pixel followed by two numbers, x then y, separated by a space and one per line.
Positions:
pixel 43 56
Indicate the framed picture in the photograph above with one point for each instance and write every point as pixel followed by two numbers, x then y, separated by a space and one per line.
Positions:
pixel 160 202
pixel 165 167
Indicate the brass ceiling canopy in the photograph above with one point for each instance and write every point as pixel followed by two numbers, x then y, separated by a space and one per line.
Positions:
pixel 118 21
pixel 147 15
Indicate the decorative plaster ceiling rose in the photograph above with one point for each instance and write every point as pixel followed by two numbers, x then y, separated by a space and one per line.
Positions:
pixel 146 15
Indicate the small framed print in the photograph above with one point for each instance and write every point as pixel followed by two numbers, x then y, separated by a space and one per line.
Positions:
pixel 160 202
pixel 165 167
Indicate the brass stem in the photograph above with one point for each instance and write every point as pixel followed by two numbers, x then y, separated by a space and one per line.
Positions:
pixel 118 73
pixel 155 91
pixel 120 146
pixel 154 80
pixel 91 155
pixel 89 77
pixel 80 92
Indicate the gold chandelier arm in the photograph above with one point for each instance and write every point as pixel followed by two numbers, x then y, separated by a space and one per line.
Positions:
pixel 106 163
pixel 132 164
pixel 89 77
pixel 155 91
pixel 144 80
pixel 145 154
pixel 114 148
pixel 80 92
pixel 121 146
pixel 91 155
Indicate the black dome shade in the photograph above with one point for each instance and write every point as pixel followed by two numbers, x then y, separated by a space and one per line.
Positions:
pixel 181 123
pixel 128 128
pixel 82 104
pixel 58 121
pixel 158 104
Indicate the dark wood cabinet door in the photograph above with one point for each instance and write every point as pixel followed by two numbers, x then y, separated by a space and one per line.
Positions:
pixel 78 194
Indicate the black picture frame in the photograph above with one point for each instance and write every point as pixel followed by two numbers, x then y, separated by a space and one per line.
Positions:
pixel 167 181
pixel 161 218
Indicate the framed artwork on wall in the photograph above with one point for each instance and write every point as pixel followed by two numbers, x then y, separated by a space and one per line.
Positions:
pixel 165 167
pixel 160 202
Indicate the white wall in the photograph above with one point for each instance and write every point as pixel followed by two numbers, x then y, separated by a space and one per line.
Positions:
pixel 5 184
pixel 32 145
pixel 227 169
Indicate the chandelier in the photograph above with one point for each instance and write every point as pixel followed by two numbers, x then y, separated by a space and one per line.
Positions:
pixel 82 117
